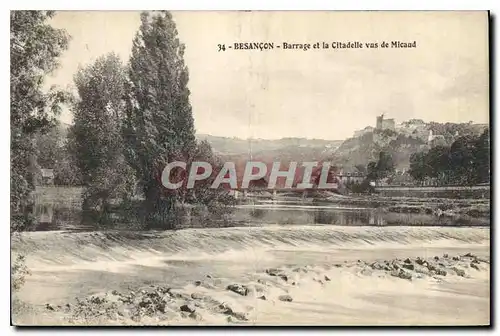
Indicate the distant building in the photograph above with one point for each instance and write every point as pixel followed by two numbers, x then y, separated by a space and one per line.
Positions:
pixel 410 126
pixel 350 176
pixel 435 137
pixel 383 124
pixel 430 137
pixel 47 176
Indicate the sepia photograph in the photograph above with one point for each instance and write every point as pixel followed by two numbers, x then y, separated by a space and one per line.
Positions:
pixel 250 168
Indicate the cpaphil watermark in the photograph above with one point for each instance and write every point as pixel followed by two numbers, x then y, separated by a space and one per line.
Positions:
pixel 305 176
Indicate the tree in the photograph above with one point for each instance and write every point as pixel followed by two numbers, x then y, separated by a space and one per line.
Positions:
pixel 462 160
pixel 465 162
pixel 418 166
pixel 385 165
pixel 67 172
pixel 35 47
pixel 372 173
pixel 382 168
pixel 159 126
pixel 438 163
pixel 97 133
pixel 53 151
pixel 49 147
pixel 361 168
pixel 482 157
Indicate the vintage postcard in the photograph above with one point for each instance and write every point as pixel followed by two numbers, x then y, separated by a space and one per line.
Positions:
pixel 249 168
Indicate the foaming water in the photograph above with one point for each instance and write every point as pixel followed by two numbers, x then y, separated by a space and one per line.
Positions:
pixel 64 248
pixel 66 265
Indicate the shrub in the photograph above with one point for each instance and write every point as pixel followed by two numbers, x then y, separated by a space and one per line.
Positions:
pixel 18 272
pixel 360 188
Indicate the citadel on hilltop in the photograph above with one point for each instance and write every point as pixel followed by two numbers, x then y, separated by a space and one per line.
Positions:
pixel 415 128
pixel 383 124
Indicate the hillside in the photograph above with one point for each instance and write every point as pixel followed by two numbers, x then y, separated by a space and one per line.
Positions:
pixel 401 143
pixel 286 148
pixel 410 137
pixel 366 148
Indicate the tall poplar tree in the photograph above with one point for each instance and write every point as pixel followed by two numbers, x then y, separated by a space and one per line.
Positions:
pixel 159 126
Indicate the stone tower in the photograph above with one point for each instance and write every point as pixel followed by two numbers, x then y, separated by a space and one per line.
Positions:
pixel 380 120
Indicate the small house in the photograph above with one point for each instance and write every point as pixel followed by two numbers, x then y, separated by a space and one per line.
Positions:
pixel 47 176
pixel 351 177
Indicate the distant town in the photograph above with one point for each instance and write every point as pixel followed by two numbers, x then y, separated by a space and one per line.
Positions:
pixel 416 128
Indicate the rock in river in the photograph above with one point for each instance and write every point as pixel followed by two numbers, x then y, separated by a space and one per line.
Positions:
pixel 188 308
pixel 286 298
pixel 239 289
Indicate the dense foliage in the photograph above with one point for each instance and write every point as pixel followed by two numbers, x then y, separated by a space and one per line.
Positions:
pixel 380 169
pixel 35 47
pixel 54 150
pixel 159 125
pixel 465 162
pixel 98 144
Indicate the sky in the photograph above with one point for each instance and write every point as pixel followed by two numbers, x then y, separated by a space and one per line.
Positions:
pixel 318 93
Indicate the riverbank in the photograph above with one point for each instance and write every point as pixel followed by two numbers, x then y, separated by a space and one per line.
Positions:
pixel 476 208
